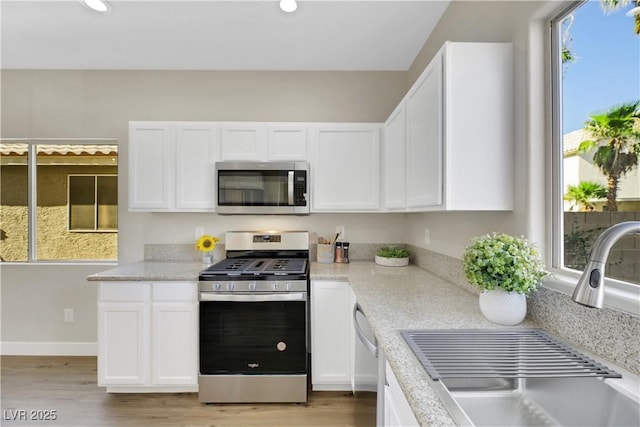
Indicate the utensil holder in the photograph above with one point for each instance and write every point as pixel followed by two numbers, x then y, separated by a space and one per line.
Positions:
pixel 325 253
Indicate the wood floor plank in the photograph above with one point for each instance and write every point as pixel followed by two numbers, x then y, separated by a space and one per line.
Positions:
pixel 32 385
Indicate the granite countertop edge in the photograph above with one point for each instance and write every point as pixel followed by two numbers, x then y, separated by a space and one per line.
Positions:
pixel 148 271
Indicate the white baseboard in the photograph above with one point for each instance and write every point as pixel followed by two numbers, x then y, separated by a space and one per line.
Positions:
pixel 48 348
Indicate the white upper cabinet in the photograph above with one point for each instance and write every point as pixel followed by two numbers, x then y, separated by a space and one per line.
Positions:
pixel 394 158
pixel 287 143
pixel 345 167
pixel 424 138
pixel 196 146
pixel 171 166
pixel 151 175
pixel 150 171
pixel 479 131
pixel 263 142
pixel 459 131
pixel 242 141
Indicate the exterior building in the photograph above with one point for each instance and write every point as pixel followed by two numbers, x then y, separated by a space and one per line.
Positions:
pixel 76 201
pixel 582 228
pixel 579 167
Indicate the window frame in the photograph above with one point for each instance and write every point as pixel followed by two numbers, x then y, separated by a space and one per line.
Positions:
pixel 32 196
pixel 619 295
pixel 95 204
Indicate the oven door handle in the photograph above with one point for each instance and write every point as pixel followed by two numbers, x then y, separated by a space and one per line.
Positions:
pixel 296 296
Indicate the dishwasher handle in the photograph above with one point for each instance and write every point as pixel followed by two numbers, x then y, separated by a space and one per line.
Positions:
pixel 371 346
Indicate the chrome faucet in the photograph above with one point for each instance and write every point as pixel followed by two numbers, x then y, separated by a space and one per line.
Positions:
pixel 590 288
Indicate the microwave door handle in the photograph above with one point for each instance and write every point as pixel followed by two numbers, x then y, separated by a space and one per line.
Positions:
pixel 290 187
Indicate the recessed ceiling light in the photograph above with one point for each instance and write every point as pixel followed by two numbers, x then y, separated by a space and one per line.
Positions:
pixel 288 5
pixel 97 5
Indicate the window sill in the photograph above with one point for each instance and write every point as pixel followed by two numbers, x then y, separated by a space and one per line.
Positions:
pixel 618 295
pixel 108 263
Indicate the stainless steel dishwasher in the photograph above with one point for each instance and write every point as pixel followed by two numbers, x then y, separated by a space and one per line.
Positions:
pixel 370 343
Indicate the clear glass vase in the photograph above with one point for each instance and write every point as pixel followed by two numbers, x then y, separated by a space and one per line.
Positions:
pixel 207 258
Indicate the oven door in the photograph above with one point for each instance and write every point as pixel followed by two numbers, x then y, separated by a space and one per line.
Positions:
pixel 253 334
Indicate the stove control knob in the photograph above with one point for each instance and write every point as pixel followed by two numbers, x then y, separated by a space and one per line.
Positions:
pixel 288 286
pixel 252 286
pixel 215 286
pixel 230 286
pixel 274 286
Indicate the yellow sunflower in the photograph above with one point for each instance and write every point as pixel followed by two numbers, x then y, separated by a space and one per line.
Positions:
pixel 206 243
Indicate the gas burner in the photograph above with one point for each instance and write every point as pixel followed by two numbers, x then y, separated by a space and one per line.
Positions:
pixel 256 267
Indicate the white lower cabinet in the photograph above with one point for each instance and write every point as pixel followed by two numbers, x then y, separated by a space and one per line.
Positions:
pixel 397 411
pixel 122 343
pixel 147 336
pixel 338 360
pixel 330 335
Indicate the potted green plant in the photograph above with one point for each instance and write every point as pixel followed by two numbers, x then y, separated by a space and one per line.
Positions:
pixel 392 256
pixel 507 269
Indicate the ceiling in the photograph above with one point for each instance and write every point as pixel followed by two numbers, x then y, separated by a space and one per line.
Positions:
pixel 216 35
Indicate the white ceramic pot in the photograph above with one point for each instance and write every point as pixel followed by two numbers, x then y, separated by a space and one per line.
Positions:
pixel 505 308
pixel 392 262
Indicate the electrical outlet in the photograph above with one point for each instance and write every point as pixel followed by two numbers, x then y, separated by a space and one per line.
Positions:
pixel 427 238
pixel 199 232
pixel 68 315
pixel 340 229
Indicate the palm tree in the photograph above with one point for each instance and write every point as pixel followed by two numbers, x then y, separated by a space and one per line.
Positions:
pixel 616 136
pixel 610 6
pixel 584 193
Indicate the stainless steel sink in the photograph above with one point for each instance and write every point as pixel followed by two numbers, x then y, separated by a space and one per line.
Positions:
pixel 522 378
pixel 540 402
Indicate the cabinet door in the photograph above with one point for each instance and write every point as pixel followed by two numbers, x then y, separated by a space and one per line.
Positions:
pixel 123 343
pixel 424 138
pixel 393 160
pixel 196 146
pixel 151 172
pixel 287 143
pixel 175 343
pixel 242 141
pixel 330 335
pixel 479 126
pixel 345 167
pixel 397 411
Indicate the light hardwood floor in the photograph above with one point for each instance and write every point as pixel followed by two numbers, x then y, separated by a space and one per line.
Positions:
pixel 68 386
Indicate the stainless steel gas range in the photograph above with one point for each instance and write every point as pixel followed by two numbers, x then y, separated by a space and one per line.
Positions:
pixel 254 320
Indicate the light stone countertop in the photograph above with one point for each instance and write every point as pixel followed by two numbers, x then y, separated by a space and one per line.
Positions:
pixel 395 298
pixel 148 271
pixel 392 298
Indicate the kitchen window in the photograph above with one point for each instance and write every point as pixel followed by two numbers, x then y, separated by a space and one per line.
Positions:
pixel 595 89
pixel 93 203
pixel 58 200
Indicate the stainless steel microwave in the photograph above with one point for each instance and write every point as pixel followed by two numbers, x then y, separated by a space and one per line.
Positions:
pixel 262 188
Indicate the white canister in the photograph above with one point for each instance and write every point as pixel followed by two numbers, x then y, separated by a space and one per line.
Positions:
pixel 325 253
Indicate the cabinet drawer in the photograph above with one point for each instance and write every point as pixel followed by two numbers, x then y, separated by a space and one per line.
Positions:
pixel 175 291
pixel 123 291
